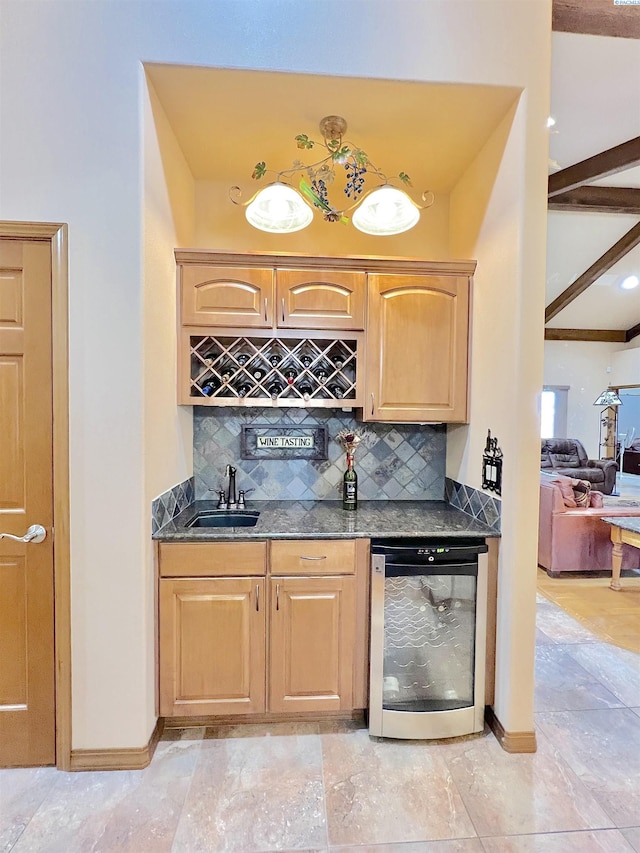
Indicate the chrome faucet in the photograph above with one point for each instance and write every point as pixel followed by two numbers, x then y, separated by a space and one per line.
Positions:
pixel 232 501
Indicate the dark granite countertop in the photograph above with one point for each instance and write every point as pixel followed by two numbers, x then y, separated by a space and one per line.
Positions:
pixel 327 520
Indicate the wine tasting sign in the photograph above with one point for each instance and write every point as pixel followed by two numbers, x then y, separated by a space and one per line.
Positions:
pixel 294 442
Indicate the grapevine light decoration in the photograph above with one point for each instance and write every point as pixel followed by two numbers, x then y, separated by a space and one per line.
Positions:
pixel 280 208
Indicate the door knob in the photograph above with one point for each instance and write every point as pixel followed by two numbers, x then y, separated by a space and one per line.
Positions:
pixel 36 533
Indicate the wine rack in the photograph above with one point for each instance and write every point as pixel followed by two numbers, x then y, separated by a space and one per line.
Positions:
pixel 240 370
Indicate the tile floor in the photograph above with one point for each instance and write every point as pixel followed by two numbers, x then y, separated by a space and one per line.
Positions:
pixel 330 787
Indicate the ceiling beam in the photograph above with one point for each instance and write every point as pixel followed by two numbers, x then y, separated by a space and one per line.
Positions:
pixel 633 333
pixel 596 18
pixel 598 200
pixel 610 257
pixel 605 163
pixel 607 335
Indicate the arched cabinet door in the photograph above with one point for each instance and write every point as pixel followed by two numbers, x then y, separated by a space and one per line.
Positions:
pixel 227 296
pixel 320 299
pixel 417 352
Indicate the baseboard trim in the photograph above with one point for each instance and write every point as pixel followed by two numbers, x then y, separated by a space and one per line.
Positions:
pixel 136 758
pixel 510 741
pixel 248 719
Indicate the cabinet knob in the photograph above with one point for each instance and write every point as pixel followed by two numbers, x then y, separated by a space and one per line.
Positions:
pixel 372 404
pixel 277 596
pixel 283 309
pixel 265 309
pixel 258 597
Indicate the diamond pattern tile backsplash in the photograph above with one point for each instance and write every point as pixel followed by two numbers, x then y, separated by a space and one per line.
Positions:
pixel 393 461
pixel 480 505
pixel 167 505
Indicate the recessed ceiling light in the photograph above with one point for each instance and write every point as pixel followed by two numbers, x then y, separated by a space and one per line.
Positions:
pixel 551 121
pixel 630 282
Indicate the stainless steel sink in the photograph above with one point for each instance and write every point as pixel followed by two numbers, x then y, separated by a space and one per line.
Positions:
pixel 225 518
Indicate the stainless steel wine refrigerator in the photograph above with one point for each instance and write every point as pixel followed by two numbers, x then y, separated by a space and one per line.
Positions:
pixel 428 637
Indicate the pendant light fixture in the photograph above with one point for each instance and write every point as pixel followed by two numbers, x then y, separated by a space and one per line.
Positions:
pixel 280 208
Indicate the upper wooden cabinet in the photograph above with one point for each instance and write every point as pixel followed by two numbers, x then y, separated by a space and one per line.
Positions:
pixel 417 356
pixel 398 326
pixel 212 295
pixel 266 297
pixel 320 299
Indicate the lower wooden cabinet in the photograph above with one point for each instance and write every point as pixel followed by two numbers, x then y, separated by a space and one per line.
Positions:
pixel 212 646
pixel 251 645
pixel 311 649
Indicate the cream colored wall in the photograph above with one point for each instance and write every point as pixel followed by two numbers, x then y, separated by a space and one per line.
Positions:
pixel 73 151
pixel 587 368
pixel 501 221
pixel 168 222
pixel 219 224
pixel 625 364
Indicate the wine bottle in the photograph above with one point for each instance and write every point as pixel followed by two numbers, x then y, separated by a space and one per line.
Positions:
pixel 275 359
pixel 257 372
pixel 305 389
pixel 210 387
pixel 306 360
pixel 350 486
pixel 321 376
pixel 226 372
pixel 338 362
pixel 242 358
pixel 244 389
pixel 210 356
pixel 290 374
pixel 275 389
pixel 336 391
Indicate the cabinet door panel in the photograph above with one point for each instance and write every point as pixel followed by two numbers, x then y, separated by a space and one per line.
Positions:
pixel 312 644
pixel 418 370
pixel 227 296
pixel 212 646
pixel 320 299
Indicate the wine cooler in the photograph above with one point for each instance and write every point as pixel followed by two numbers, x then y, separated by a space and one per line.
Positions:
pixel 428 637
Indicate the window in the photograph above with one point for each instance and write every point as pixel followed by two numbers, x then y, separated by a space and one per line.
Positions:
pixel 553 411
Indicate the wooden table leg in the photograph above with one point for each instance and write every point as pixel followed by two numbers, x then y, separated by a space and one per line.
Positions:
pixel 616 558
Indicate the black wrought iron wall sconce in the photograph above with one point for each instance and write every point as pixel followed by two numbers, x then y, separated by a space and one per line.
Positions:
pixel 492 465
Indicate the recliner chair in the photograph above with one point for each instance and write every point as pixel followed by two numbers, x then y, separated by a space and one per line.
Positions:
pixel 567 456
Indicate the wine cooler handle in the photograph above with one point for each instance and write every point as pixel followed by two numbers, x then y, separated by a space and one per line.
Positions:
pixel 277 596
pixel 372 404
pixel 265 309
pixel 258 597
pixel 283 309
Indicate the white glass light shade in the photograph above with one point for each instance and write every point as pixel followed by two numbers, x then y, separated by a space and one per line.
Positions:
pixel 608 398
pixel 385 211
pixel 279 209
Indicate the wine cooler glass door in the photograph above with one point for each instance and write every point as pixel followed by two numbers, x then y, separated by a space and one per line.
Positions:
pixel 429 641
pixel 428 638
